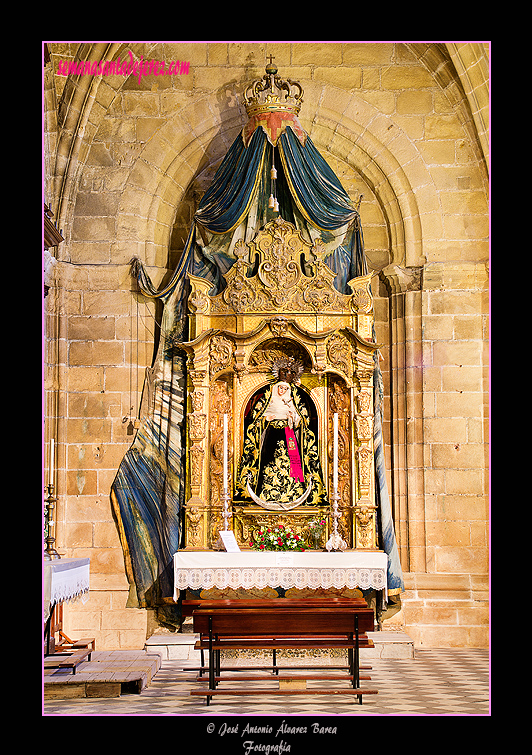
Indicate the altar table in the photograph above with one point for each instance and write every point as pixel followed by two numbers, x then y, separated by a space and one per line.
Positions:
pixel 64 579
pixel 202 570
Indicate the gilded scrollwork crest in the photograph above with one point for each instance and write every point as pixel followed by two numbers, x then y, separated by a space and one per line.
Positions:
pixel 280 280
pixel 221 354
pixel 279 326
pixel 361 300
pixel 279 272
pixel 339 353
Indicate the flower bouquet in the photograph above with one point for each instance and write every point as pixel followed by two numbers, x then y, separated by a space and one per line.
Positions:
pixel 279 538
pixel 316 527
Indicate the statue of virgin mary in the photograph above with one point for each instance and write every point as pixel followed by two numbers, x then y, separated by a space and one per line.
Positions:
pixel 280 466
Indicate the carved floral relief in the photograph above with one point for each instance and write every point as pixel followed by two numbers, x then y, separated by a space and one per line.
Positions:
pixel 220 404
pixel 221 354
pixel 340 403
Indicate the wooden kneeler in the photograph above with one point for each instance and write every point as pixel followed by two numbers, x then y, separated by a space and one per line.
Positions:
pixel 265 628
pixel 357 604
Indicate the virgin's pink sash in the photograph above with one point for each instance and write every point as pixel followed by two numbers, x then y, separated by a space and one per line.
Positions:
pixel 296 470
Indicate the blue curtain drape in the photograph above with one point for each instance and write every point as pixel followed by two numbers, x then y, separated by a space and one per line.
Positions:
pixel 315 187
pixel 227 201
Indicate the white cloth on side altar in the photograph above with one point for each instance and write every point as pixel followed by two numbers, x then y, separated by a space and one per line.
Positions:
pixel 64 580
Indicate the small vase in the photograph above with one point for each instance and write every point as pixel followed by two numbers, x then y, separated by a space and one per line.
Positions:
pixel 315 537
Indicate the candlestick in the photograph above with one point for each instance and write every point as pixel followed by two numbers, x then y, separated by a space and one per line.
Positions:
pixel 335 455
pixel 335 542
pixel 225 455
pixel 52 454
pixel 226 474
pixel 50 552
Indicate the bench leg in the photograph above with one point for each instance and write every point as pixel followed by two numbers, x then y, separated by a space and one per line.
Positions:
pixel 211 661
pixel 275 669
pixel 356 675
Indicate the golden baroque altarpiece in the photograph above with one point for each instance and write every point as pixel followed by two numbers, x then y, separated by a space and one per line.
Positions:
pixel 279 302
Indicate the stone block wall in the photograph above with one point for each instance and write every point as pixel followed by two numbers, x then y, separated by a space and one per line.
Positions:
pixel 126 161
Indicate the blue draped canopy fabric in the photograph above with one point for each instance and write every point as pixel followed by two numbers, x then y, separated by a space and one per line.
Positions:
pixel 148 491
pixel 315 188
pixel 226 203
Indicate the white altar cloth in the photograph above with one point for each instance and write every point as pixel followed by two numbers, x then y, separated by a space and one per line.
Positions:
pixel 201 570
pixel 64 579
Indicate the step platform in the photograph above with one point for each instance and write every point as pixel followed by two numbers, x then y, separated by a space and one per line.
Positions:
pixel 109 673
pixel 180 646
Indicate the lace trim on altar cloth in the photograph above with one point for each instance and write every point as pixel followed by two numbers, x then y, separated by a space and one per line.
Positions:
pixel 259 578
pixel 74 594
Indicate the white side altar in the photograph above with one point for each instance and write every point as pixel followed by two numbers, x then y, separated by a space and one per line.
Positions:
pixel 197 570
pixel 63 580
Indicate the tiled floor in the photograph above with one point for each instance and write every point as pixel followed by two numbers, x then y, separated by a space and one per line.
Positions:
pixel 435 682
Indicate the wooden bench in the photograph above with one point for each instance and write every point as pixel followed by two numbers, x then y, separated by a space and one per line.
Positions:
pixel 70 654
pixel 287 628
pixel 189 606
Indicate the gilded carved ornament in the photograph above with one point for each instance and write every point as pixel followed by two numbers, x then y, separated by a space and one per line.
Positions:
pixel 198 302
pixel 197 456
pixel 364 427
pixel 280 282
pixel 220 404
pixel 364 400
pixel 197 398
pixel 361 300
pixel 197 376
pixel 279 326
pixel 194 527
pixel 365 462
pixel 264 355
pixel 221 353
pixel 365 526
pixel 197 426
pixel 339 353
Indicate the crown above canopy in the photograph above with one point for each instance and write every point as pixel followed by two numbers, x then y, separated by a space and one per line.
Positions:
pixel 271 93
pixel 273 104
